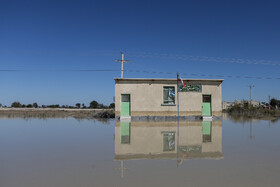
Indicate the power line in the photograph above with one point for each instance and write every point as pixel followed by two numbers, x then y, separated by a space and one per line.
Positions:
pixel 170 56
pixel 205 59
pixel 204 75
pixel 59 70
pixel 155 72
pixel 94 70
pixel 9 70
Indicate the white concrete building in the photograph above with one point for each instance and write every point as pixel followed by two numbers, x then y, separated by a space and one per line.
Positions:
pixel 158 97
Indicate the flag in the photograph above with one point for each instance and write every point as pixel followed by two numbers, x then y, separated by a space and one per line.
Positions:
pixel 179 162
pixel 179 79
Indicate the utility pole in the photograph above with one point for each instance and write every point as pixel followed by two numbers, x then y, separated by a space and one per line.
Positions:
pixel 122 61
pixel 251 86
pixel 251 131
pixel 122 169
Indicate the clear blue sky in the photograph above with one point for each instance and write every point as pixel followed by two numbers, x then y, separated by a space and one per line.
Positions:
pixel 46 38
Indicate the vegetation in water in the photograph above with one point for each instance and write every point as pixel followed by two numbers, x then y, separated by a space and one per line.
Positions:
pixel 259 112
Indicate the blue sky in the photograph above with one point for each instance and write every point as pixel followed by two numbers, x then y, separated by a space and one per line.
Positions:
pixel 45 39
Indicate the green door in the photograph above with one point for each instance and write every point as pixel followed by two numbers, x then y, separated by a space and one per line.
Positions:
pixel 206 105
pixel 125 132
pixel 206 131
pixel 125 105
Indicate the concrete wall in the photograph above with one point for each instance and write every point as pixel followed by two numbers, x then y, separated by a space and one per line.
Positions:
pixel 146 97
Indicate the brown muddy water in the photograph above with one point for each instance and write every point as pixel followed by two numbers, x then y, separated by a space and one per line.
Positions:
pixel 86 153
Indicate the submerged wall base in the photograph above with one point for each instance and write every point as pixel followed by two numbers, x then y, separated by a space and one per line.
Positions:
pixel 169 118
pixel 168 113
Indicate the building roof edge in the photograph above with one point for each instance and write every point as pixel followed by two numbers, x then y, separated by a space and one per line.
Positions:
pixel 163 79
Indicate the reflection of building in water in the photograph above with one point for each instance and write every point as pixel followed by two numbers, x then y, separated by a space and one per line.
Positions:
pixel 125 132
pixel 206 131
pixel 146 140
pixel 159 140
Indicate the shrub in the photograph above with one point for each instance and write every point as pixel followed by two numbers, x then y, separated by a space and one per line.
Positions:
pixel 16 104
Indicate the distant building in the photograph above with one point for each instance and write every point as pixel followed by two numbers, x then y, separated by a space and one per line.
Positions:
pixel 158 97
pixel 244 103
pixel 227 105
pixel 255 103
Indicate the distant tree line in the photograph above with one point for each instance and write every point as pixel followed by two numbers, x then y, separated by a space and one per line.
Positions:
pixel 274 103
pixel 92 104
pixel 19 105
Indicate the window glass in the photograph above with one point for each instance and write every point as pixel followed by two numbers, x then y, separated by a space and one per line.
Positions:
pixel 207 99
pixel 125 98
pixel 169 95
pixel 168 141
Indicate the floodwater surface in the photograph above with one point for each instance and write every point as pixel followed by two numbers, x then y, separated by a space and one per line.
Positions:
pixel 86 153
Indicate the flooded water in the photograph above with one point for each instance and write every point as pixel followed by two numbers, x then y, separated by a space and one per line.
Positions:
pixel 71 153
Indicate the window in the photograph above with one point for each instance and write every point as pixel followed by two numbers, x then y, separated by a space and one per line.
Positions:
pixel 206 99
pixel 169 95
pixel 168 141
pixel 125 98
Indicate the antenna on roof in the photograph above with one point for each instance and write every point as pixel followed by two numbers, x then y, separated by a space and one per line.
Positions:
pixel 122 61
